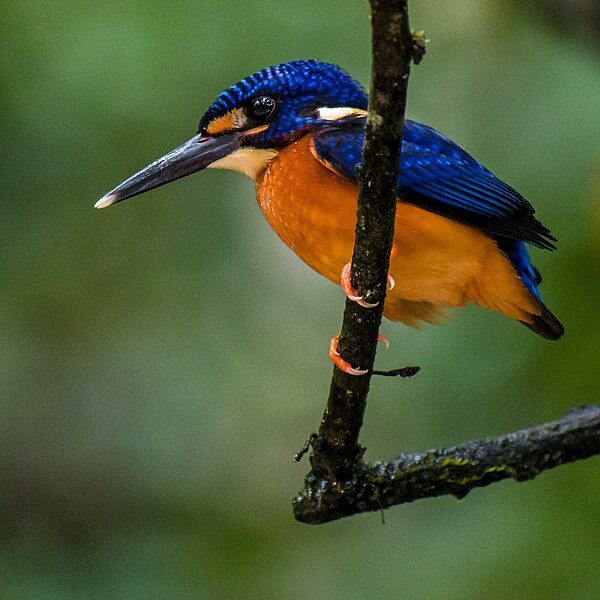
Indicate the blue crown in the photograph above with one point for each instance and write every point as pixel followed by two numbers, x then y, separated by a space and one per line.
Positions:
pixel 299 86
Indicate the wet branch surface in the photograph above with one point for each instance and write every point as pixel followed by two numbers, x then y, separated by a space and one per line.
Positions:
pixel 340 483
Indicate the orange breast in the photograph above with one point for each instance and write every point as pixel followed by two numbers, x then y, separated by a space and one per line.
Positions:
pixel 438 263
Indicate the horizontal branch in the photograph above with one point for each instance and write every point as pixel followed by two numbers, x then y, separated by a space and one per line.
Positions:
pixel 521 455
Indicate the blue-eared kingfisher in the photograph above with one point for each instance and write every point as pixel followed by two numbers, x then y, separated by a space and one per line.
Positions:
pixel 297 129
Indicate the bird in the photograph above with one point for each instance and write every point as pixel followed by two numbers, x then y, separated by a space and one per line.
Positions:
pixel 297 129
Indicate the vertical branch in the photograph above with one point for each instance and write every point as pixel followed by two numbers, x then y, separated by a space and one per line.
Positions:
pixel 336 449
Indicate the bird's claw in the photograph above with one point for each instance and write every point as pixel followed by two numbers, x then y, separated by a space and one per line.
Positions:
pixel 351 293
pixel 345 366
pixel 382 338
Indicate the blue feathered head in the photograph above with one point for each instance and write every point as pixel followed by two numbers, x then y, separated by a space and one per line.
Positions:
pixel 282 101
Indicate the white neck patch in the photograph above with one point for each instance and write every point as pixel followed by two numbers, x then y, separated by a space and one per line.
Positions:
pixel 340 112
pixel 247 160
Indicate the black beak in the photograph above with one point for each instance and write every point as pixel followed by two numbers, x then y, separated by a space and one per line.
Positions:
pixel 195 155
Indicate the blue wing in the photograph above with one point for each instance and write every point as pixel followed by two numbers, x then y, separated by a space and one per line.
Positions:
pixel 439 176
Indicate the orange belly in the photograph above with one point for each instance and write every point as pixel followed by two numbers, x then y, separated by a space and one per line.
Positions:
pixel 439 262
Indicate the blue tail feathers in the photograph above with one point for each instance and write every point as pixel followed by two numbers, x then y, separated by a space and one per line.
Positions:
pixel 544 324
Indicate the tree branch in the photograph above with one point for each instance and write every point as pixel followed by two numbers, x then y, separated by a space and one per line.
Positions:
pixel 339 450
pixel 338 453
pixel 340 483
pixel 521 455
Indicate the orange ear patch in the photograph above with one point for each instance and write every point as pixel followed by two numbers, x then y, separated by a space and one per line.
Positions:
pixel 234 119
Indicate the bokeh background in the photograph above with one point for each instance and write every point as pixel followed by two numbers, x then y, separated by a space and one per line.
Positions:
pixel 162 361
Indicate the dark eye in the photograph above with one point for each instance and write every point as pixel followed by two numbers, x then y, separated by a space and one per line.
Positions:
pixel 261 108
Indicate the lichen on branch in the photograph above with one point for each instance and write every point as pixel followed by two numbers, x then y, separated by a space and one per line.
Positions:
pixel 521 455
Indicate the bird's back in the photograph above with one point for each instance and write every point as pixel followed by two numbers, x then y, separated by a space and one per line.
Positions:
pixel 438 262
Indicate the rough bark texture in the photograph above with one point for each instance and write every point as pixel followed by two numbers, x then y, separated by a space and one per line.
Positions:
pixel 338 451
pixel 521 455
pixel 340 482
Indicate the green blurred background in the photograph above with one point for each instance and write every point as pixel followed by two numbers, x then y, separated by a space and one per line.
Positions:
pixel 162 361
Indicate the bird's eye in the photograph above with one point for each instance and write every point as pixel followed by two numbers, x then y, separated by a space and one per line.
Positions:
pixel 261 109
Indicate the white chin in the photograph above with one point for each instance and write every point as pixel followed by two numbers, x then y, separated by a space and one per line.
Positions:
pixel 247 160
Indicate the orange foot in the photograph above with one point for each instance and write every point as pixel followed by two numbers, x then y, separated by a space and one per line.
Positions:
pixel 341 364
pixel 351 292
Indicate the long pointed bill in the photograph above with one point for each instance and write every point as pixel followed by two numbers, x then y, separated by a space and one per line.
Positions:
pixel 196 154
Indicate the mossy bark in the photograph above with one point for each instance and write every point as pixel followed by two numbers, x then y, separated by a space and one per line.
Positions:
pixel 521 455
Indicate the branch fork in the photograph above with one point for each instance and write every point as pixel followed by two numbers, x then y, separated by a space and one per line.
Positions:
pixel 340 483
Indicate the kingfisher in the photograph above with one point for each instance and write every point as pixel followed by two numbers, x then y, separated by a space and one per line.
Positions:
pixel 297 129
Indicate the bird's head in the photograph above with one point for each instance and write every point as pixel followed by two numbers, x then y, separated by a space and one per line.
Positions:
pixel 247 124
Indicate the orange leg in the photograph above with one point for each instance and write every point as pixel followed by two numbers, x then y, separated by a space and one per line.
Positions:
pixel 344 366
